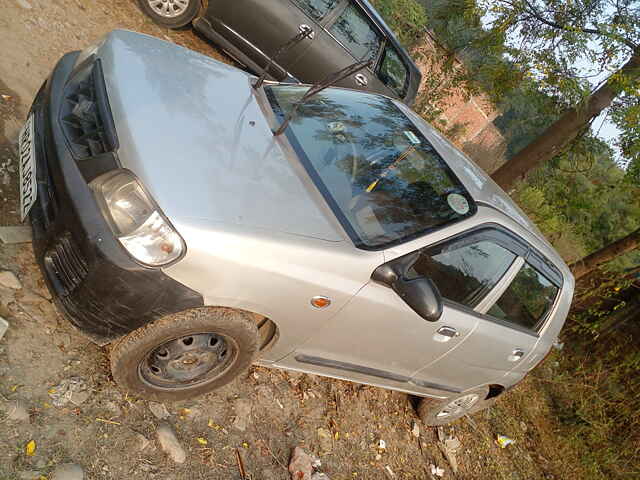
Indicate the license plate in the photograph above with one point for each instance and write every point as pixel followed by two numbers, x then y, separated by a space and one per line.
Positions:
pixel 27 169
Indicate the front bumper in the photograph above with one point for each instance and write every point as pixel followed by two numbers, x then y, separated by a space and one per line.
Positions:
pixel 103 291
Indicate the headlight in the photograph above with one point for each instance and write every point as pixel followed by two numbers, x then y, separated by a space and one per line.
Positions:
pixel 136 220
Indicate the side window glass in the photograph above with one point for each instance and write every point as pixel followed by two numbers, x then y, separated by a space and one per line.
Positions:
pixel 317 9
pixel 464 271
pixel 527 300
pixel 393 71
pixel 354 31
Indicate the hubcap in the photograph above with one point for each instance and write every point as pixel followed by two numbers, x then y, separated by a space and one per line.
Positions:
pixel 189 360
pixel 169 8
pixel 459 406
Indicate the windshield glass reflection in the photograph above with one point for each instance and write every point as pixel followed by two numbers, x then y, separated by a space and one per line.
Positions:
pixel 383 179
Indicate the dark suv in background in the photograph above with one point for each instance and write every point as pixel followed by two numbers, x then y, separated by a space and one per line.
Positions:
pixel 342 32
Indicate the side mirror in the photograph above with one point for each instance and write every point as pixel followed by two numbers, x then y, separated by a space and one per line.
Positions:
pixel 420 294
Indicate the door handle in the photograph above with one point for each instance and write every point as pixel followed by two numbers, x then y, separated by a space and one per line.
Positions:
pixel 516 355
pixel 444 334
pixel 303 27
pixel 361 79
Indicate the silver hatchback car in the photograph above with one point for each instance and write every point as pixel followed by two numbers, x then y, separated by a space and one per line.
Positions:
pixel 173 221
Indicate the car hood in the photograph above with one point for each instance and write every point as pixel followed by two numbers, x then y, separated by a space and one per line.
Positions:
pixel 191 129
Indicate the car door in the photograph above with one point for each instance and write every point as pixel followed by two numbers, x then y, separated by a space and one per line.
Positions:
pixel 349 36
pixel 269 25
pixel 379 335
pixel 507 326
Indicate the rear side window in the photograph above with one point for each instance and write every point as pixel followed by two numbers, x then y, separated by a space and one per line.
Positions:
pixel 393 71
pixel 317 9
pixel 356 33
pixel 466 270
pixel 527 300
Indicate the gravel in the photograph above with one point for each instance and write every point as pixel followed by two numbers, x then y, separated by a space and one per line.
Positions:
pixel 68 471
pixel 9 280
pixel 159 410
pixel 242 407
pixel 300 465
pixel 17 411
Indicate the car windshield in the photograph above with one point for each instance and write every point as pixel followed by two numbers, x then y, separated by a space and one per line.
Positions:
pixel 381 176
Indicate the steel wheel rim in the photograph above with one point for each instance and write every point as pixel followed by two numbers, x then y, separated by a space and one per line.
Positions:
pixel 189 360
pixel 459 406
pixel 169 8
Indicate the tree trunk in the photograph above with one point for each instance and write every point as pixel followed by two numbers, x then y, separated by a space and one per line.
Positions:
pixel 606 253
pixel 565 129
pixel 619 318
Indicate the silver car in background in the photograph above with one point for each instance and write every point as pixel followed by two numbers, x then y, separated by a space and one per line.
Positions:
pixel 172 222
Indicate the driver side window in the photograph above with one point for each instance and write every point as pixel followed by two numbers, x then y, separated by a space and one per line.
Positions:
pixel 464 270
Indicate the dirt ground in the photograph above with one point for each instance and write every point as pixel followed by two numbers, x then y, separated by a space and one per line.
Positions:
pixel 259 417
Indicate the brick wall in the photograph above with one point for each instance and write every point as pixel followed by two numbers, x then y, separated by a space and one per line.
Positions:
pixel 468 118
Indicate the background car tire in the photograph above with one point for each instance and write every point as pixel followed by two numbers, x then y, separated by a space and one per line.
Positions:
pixel 184 17
pixel 429 409
pixel 133 357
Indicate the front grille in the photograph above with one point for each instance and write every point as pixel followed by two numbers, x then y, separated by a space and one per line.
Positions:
pixel 65 265
pixel 85 114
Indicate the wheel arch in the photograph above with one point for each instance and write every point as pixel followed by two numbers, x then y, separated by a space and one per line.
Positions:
pixel 495 390
pixel 268 330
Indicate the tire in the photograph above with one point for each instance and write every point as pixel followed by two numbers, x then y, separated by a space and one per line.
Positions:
pixel 431 410
pixel 186 354
pixel 180 15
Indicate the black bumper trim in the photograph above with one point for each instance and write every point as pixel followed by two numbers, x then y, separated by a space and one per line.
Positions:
pixel 102 291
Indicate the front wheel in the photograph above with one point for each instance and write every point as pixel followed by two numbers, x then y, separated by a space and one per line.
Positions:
pixel 186 354
pixel 170 13
pixel 434 412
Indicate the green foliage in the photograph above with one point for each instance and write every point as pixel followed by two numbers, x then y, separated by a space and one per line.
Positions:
pixel 457 26
pixel 626 115
pixel 525 58
pixel 549 39
pixel 547 217
pixel 531 57
pixel 583 201
pixel 405 17
pixel 566 46
pixel 598 405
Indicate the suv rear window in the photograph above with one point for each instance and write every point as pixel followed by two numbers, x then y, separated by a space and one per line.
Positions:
pixel 317 9
pixel 527 300
pixel 356 33
pixel 393 71
pixel 383 179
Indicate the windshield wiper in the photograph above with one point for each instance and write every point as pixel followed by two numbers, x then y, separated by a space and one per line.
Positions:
pixel 407 151
pixel 281 51
pixel 328 81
